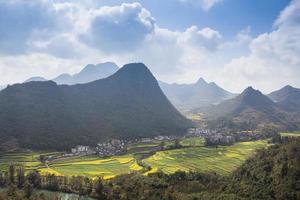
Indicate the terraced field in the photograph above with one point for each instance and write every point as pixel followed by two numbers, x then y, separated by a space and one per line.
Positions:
pixel 30 160
pixel 222 160
pixel 93 166
pixel 194 156
pixel 87 165
pixel 291 134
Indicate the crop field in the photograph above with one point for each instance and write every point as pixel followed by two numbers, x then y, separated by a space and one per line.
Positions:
pixel 87 165
pixel 192 157
pixel 192 142
pixel 291 134
pixel 29 160
pixel 222 160
pixel 93 166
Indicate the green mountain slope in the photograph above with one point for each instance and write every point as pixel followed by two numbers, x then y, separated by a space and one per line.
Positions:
pixel 288 98
pixel 128 104
pixel 253 108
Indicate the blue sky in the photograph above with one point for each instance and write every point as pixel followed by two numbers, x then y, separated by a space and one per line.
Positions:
pixel 228 16
pixel 235 43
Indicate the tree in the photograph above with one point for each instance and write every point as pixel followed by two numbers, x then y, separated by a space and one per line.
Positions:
pixel 20 177
pixel 34 178
pixel 43 158
pixel 12 190
pixel 28 189
pixel 177 144
pixel 2 180
pixel 162 145
pixel 99 188
pixel 11 174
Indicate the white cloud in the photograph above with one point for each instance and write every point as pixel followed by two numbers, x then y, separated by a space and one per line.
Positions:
pixel 274 60
pixel 124 33
pixel 129 33
pixel 118 28
pixel 205 4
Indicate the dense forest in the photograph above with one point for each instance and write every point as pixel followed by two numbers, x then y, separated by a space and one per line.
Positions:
pixel 273 173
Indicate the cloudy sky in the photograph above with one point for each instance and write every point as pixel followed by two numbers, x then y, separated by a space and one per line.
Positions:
pixel 231 42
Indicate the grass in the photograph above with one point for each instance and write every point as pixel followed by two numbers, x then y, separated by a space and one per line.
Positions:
pixel 291 134
pixel 221 160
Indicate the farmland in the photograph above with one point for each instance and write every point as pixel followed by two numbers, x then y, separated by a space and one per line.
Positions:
pixel 192 157
pixel 222 160
pixel 291 134
pixel 90 166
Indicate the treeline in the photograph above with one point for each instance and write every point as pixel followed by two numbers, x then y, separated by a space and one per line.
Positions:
pixel 22 186
pixel 273 173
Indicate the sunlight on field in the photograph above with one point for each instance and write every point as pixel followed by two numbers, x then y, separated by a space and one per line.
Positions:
pixel 193 157
pixel 74 166
pixel 192 141
pixel 292 134
pixel 222 160
pixel 29 160
pixel 94 166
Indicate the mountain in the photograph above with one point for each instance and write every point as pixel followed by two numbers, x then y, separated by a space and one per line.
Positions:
pixel 35 78
pixel 2 87
pixel 250 107
pixel 128 104
pixel 191 96
pixel 88 73
pixel 288 98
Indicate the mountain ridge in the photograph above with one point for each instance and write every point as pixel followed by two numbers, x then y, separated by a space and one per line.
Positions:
pixel 251 109
pixel 198 94
pixel 287 97
pixel 119 106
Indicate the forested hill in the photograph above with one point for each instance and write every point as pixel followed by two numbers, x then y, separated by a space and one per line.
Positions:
pixel 251 109
pixel 44 115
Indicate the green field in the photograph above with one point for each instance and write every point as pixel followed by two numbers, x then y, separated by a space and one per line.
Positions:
pixel 30 160
pixel 87 165
pixel 93 166
pixel 222 160
pixel 192 157
pixel 291 134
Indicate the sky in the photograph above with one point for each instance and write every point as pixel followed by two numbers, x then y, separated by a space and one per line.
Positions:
pixel 233 43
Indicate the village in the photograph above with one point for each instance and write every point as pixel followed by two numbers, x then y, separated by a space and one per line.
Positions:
pixel 217 137
pixel 211 138
pixel 112 147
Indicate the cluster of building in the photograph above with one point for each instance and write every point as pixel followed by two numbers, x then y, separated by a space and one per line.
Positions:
pixel 82 150
pixel 111 148
pixel 212 137
pixel 165 137
pixel 218 137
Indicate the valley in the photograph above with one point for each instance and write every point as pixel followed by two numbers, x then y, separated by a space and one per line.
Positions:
pixel 193 156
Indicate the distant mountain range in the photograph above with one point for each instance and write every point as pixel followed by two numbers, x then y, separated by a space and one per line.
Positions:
pixel 288 98
pixel 35 78
pixel 252 109
pixel 280 108
pixel 191 96
pixel 2 87
pixel 128 104
pixel 87 74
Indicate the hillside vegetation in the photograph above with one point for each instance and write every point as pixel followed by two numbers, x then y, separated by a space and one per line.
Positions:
pixel 128 104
